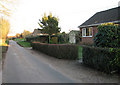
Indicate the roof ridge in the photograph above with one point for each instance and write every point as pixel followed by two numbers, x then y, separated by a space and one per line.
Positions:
pixel 108 9
pixel 108 15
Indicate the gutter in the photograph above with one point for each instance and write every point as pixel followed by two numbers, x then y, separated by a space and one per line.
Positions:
pixel 97 24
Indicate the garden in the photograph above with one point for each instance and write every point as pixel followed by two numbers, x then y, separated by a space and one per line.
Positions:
pixel 22 42
pixel 104 55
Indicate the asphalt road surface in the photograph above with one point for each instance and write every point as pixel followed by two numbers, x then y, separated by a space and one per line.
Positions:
pixel 22 66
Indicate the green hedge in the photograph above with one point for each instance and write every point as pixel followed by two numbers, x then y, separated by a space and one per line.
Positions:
pixel 108 35
pixel 103 59
pixel 30 39
pixel 58 50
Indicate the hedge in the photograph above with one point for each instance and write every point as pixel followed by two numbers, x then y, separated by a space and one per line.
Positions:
pixel 108 35
pixel 103 59
pixel 61 51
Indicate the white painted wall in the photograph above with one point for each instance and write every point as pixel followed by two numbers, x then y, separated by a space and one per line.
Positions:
pixel 72 37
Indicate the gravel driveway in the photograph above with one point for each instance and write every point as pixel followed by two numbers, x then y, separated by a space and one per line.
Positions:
pixel 76 70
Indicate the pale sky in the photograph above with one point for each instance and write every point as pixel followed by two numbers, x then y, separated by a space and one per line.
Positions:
pixel 71 13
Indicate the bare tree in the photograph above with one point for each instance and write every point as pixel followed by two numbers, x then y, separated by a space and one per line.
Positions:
pixel 4 23
pixel 4 29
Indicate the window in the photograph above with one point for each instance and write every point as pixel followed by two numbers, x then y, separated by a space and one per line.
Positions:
pixel 84 32
pixel 90 31
pixel 87 32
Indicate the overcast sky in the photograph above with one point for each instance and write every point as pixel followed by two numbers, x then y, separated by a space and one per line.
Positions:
pixel 71 13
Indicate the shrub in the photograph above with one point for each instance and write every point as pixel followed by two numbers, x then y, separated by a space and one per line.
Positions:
pixel 103 59
pixel 63 38
pixel 42 39
pixel 61 51
pixel 108 35
pixel 30 39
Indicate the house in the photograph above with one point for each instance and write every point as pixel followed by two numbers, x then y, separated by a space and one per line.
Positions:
pixel 89 28
pixel 73 36
pixel 37 32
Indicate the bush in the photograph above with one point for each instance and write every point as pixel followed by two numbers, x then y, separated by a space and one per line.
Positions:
pixel 30 39
pixel 42 39
pixel 63 38
pixel 108 35
pixel 61 51
pixel 103 59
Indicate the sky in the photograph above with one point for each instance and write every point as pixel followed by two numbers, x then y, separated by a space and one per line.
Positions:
pixel 71 13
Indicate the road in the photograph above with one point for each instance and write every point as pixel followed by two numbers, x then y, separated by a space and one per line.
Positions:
pixel 21 66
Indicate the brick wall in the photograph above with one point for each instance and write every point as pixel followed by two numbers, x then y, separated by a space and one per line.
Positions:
pixel 89 40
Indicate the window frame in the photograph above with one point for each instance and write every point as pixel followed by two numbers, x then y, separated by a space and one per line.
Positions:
pixel 84 35
pixel 84 31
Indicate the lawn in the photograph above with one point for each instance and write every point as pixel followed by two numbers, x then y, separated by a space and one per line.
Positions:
pixel 24 44
pixel 79 52
pixel 19 39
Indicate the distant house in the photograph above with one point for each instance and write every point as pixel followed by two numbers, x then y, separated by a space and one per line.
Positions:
pixel 37 32
pixel 89 28
pixel 73 36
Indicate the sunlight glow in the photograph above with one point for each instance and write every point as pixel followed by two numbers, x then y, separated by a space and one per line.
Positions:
pixel 71 13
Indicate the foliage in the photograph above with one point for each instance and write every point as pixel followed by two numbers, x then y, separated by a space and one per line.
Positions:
pixel 78 38
pixel 49 25
pixel 4 10
pixel 26 33
pixel 116 61
pixel 63 38
pixel 4 29
pixel 5 6
pixel 108 35
pixel 61 51
pixel 54 40
pixel 42 39
pixel 103 59
pixel 29 39
pixel 17 35
pixel 5 43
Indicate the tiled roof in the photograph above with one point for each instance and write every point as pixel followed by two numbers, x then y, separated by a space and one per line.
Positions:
pixel 110 15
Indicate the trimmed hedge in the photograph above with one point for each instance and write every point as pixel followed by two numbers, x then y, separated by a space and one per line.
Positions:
pixel 30 39
pixel 108 35
pixel 103 59
pixel 61 51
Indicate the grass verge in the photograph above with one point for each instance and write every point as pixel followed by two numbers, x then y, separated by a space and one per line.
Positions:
pixel 19 39
pixel 80 52
pixel 24 44
pixel 3 50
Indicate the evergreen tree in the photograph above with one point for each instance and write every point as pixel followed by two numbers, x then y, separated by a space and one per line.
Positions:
pixel 49 25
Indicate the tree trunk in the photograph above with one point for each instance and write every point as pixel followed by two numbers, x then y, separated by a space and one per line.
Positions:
pixel 49 39
pixel 2 41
